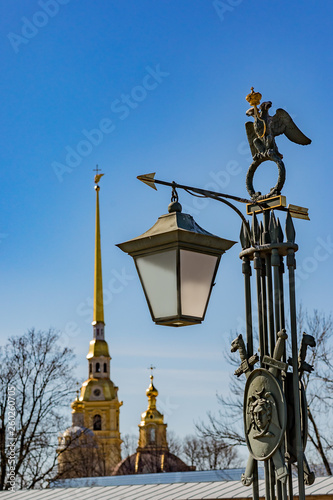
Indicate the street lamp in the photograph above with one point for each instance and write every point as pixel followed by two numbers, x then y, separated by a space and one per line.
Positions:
pixel 177 262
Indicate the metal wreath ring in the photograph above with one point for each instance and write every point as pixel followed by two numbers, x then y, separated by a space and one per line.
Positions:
pixel 276 190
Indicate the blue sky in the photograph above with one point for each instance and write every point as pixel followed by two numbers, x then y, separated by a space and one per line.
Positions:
pixel 152 86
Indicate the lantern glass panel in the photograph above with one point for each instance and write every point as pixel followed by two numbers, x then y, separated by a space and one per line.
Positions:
pixel 158 274
pixel 196 276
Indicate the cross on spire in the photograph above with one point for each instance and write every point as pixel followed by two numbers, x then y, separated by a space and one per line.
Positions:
pixel 151 368
pixel 97 169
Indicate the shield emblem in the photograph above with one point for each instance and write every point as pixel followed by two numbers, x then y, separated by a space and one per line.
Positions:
pixel 265 414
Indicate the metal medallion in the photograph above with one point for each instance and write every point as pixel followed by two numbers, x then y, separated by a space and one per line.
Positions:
pixel 265 414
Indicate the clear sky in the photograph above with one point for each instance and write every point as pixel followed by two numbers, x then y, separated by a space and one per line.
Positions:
pixel 139 87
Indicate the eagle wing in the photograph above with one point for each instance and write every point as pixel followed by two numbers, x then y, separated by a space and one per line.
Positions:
pixel 251 135
pixel 282 123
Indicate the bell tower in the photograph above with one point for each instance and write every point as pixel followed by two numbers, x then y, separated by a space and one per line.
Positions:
pixel 152 429
pixel 98 404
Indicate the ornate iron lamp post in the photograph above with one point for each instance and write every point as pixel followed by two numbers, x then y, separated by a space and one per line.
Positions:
pixel 177 262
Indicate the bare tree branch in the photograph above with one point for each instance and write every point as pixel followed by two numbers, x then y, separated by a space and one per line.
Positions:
pixel 40 371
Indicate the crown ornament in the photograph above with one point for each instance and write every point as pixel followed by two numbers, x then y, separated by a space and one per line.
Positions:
pixel 253 98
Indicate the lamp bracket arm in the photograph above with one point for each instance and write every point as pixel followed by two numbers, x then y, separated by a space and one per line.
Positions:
pixel 218 197
pixel 222 197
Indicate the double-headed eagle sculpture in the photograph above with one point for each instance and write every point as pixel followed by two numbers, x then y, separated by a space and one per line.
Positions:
pixel 261 136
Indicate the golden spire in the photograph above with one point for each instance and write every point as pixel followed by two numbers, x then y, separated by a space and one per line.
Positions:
pixel 98 284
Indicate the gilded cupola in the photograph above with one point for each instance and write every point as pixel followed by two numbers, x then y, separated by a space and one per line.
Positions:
pixel 152 427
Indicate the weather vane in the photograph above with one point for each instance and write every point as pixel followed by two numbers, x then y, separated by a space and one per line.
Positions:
pixel 261 136
pixel 97 176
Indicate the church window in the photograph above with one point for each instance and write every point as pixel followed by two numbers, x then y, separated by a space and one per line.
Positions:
pixel 105 368
pixel 97 423
pixel 90 367
pixel 97 332
pixel 98 368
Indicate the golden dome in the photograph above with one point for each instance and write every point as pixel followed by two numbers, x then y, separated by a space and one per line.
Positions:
pixel 151 415
pixel 98 348
pixel 106 385
pixel 151 391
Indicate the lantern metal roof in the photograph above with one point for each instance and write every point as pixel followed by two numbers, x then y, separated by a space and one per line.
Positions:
pixel 175 227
